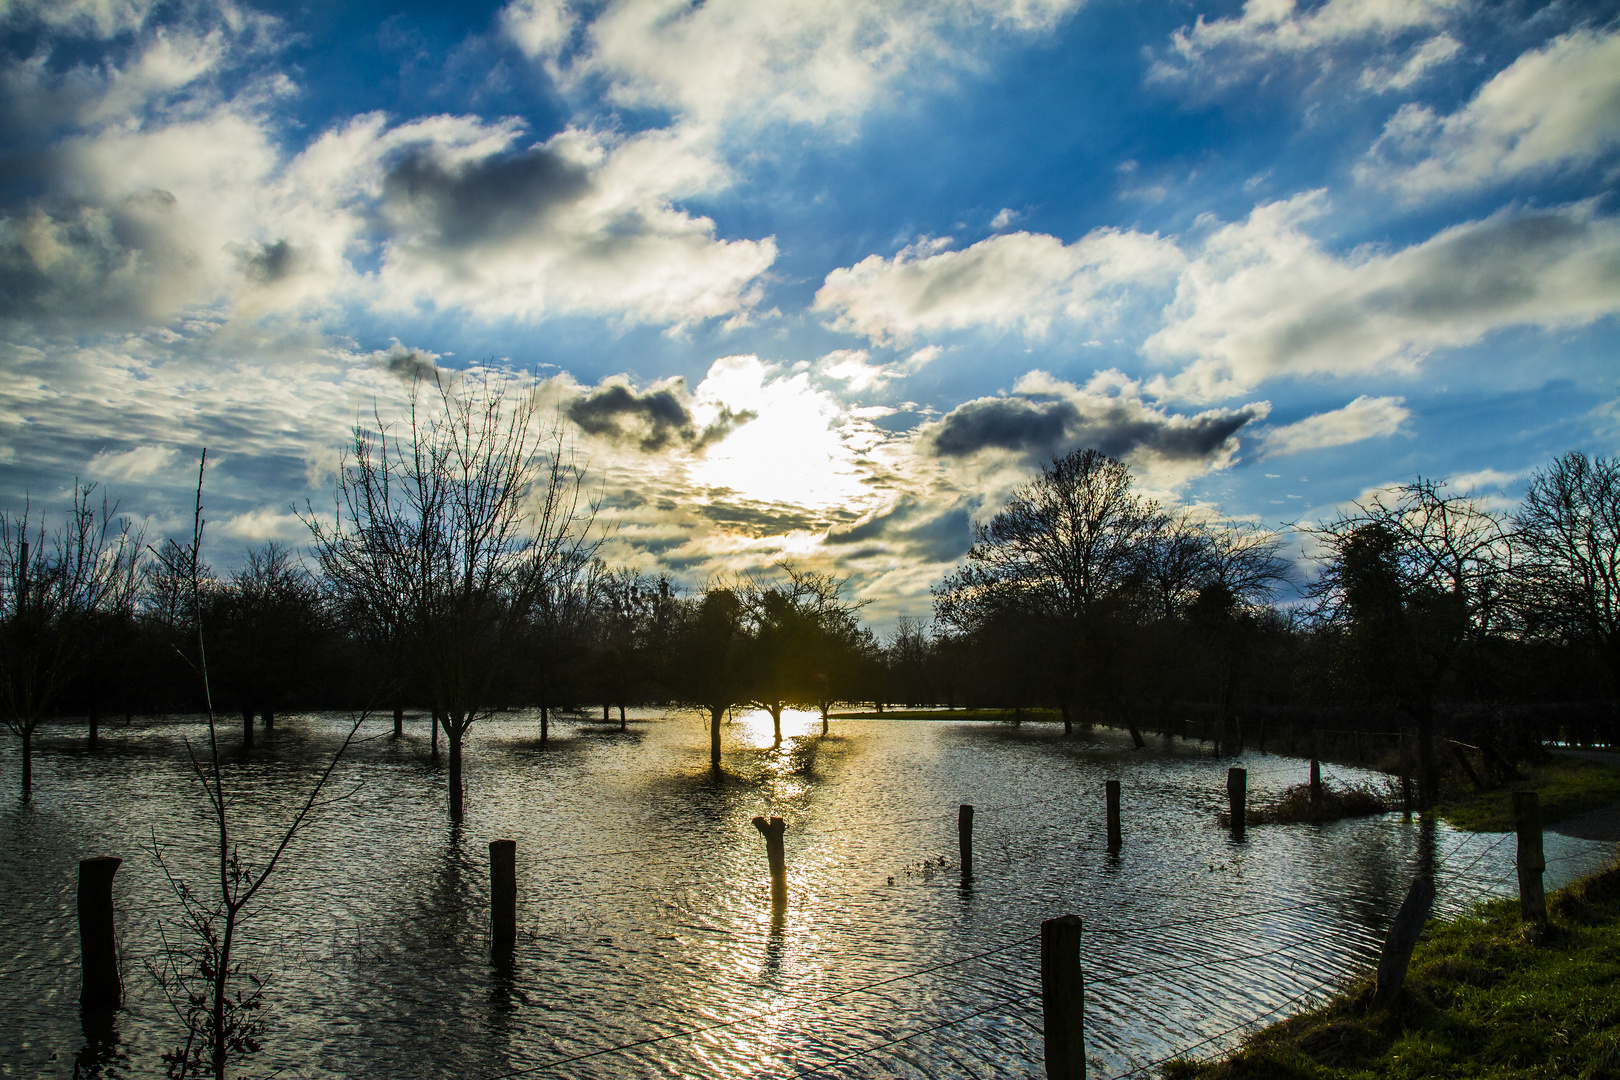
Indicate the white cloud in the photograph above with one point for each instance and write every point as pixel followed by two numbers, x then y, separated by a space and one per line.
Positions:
pixel 265 523
pixel 1553 107
pixel 738 61
pixel 854 368
pixel 1263 299
pixel 1427 56
pixel 1015 280
pixel 1225 50
pixel 137 463
pixel 1004 217
pixel 1364 418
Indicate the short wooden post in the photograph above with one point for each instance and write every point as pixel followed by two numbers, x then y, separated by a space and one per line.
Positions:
pixel 1402 939
pixel 1527 822
pixel 964 839
pixel 503 893
pixel 1063 999
pixel 1113 815
pixel 101 988
pixel 772 831
pixel 1237 799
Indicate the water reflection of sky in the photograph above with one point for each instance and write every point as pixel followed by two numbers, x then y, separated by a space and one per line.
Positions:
pixel 645 912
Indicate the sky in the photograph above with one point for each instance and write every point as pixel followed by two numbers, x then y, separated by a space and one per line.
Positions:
pixel 819 280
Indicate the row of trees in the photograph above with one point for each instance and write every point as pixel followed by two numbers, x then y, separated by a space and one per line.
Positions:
pixel 1083 594
pixel 457 570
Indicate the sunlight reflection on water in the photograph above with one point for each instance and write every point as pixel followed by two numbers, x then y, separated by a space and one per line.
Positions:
pixel 644 902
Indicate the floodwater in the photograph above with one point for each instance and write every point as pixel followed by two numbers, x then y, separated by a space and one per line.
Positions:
pixel 647 943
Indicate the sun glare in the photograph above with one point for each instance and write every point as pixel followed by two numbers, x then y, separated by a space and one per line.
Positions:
pixel 790 451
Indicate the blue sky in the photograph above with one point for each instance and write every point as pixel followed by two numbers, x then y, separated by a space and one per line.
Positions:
pixel 812 279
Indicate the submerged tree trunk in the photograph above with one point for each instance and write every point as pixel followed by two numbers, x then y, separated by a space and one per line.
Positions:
pixel 399 721
pixel 824 718
pixel 437 720
pixel 621 716
pixel 268 719
pixel 94 724
pixel 607 713
pixel 28 762
pixel 776 722
pixel 1068 720
pixel 716 714
pixel 452 732
pixel 545 723
pixel 247 729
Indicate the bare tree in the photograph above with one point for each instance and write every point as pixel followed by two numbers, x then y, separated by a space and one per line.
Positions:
pixel 1569 529
pixel 202 976
pixel 55 591
pixel 448 530
pixel 1413 580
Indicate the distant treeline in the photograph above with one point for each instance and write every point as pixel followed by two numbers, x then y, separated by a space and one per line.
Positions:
pixel 464 584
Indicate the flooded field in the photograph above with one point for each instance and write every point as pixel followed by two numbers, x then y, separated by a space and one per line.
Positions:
pixel 647 943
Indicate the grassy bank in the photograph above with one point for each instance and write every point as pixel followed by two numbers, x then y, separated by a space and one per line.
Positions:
pixel 1486 996
pixel 1565 786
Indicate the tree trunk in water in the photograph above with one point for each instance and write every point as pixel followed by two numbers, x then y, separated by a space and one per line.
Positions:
pixel 715 715
pixel 28 763
pixel 607 715
pixel 94 724
pixel 621 716
pixel 268 719
pixel 1068 720
pixel 453 735
pixel 545 723
pixel 247 729
pixel 399 721
pixel 776 724
pixel 824 719
pixel 436 722
pixel 1428 769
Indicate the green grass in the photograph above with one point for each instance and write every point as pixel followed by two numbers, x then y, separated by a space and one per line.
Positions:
pixel 1564 787
pixel 1486 996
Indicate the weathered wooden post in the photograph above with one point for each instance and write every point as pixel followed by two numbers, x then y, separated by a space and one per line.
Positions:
pixel 1402 939
pixel 503 893
pixel 1527 822
pixel 1316 769
pixel 1063 999
pixel 102 988
pixel 1113 815
pixel 772 831
pixel 1237 799
pixel 964 839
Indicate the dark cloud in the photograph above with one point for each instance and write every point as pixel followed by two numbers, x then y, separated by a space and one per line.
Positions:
pixel 266 264
pixel 96 265
pixel 1044 426
pixel 413 364
pixel 766 519
pixel 464 206
pixel 911 528
pixel 651 419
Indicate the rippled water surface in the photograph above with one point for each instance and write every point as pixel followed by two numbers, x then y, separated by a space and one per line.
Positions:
pixel 647 943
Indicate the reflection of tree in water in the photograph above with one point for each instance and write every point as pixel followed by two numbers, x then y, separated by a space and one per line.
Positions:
pixel 103 1052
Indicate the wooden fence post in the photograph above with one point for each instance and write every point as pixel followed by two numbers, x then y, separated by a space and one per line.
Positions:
pixel 1402 939
pixel 772 831
pixel 1113 815
pixel 1527 823
pixel 98 948
pixel 964 839
pixel 1063 999
pixel 503 893
pixel 1237 799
